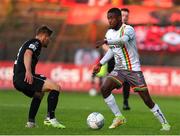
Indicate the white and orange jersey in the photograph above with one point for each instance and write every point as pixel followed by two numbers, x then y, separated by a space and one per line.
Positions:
pixel 122 45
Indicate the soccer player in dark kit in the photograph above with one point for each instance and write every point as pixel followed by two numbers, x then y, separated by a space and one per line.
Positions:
pixel 34 85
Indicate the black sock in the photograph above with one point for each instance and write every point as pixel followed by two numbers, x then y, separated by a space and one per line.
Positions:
pixel 35 103
pixel 126 90
pixel 52 103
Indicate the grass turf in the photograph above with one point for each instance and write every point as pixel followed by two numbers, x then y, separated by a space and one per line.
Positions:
pixel 73 109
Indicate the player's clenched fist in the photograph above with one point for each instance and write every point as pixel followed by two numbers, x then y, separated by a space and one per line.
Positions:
pixel 96 69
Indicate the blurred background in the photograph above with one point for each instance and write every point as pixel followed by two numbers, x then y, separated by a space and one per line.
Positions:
pixel 77 25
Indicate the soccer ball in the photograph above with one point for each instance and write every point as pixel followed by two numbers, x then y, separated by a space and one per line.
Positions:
pixel 92 92
pixel 95 120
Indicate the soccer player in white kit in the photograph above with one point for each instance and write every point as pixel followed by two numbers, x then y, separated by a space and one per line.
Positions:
pixel 121 40
pixel 125 87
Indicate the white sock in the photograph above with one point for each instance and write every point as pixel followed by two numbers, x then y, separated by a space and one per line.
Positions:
pixel 110 101
pixel 159 115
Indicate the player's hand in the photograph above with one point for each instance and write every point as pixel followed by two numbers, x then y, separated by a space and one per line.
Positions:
pixel 28 77
pixel 100 43
pixel 96 69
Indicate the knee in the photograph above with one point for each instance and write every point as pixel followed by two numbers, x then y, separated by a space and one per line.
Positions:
pixel 105 91
pixel 50 85
pixel 39 95
pixel 57 88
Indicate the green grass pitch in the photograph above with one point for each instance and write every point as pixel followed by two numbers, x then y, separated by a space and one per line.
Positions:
pixel 73 109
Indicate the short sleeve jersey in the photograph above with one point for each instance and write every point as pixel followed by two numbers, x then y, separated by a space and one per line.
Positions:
pixel 35 46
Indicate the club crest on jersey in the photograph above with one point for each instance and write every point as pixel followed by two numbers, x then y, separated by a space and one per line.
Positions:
pixel 114 73
pixel 33 47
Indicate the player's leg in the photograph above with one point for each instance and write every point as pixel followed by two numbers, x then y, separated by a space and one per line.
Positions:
pixel 37 94
pixel 35 103
pixel 136 79
pixel 106 90
pixel 144 94
pixel 126 91
pixel 53 96
pixel 108 85
pixel 52 101
pixel 33 91
pixel 154 109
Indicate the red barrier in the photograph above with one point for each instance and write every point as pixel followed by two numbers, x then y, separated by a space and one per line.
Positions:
pixel 161 80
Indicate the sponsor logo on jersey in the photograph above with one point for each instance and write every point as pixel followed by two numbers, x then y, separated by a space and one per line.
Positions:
pixel 33 47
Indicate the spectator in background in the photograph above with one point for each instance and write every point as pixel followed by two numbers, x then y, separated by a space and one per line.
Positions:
pixel 86 57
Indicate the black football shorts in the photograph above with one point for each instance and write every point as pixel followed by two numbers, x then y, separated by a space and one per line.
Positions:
pixel 28 89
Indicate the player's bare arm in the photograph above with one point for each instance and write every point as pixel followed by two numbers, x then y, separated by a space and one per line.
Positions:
pixel 27 62
pixel 100 43
pixel 105 47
